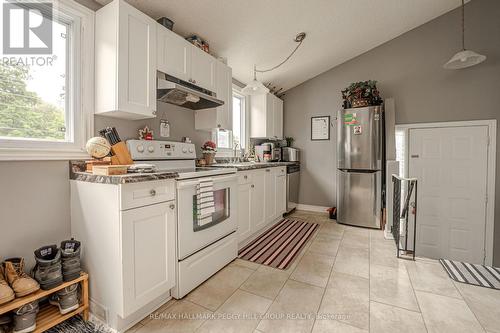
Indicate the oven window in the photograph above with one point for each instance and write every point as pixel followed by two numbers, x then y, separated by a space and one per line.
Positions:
pixel 222 209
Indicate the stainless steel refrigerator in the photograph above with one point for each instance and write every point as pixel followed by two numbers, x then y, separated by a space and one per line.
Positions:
pixel 360 144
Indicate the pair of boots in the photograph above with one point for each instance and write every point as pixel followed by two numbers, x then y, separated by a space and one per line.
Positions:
pixel 14 282
pixel 55 265
pixel 24 319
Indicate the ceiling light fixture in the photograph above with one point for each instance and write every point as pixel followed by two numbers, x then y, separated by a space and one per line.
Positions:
pixel 464 58
pixel 256 87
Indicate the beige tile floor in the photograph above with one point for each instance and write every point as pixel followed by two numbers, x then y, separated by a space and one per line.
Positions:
pixel 346 279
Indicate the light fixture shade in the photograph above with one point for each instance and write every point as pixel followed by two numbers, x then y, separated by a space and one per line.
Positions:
pixel 255 88
pixel 464 59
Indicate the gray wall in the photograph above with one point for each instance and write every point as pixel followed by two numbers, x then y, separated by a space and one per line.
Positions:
pixel 408 68
pixel 34 196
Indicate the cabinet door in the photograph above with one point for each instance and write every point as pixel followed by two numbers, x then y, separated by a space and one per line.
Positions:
pixel 270 115
pixel 257 200
pixel 280 182
pixel 136 62
pixel 174 54
pixel 203 69
pixel 278 117
pixel 244 226
pixel 225 93
pixel 270 194
pixel 148 254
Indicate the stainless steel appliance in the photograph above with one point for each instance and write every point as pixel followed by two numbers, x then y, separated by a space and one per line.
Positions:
pixel 276 155
pixel 178 92
pixel 360 164
pixel 201 250
pixel 289 154
pixel 292 186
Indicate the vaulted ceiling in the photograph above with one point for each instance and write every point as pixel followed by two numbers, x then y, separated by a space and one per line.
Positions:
pixel 261 32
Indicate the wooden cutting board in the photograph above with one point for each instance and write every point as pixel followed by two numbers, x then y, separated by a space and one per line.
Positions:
pixel 109 170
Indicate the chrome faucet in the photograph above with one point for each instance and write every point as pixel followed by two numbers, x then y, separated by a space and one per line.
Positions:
pixel 236 154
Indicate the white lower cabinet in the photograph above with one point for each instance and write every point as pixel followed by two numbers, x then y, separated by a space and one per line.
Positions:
pixel 261 200
pixel 257 200
pixel 280 192
pixel 244 203
pixel 270 194
pixel 148 254
pixel 128 233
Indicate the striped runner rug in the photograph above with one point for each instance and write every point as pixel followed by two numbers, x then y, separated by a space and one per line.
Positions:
pixel 478 275
pixel 280 245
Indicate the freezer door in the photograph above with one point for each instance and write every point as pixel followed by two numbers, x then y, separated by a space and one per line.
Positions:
pixel 359 138
pixel 358 200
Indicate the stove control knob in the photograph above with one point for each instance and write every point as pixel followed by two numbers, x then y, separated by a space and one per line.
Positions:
pixel 140 148
pixel 191 150
pixel 184 150
pixel 151 149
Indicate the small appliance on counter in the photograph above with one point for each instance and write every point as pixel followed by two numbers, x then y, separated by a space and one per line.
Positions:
pixel 289 154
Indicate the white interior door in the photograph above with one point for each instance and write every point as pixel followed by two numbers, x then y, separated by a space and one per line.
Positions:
pixel 450 164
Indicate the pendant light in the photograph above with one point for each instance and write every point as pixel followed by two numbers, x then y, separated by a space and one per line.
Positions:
pixel 255 87
pixel 258 88
pixel 464 58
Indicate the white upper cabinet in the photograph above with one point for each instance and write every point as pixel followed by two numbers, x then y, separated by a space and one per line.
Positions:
pixel 203 69
pixel 179 58
pixel 125 62
pixel 278 117
pixel 221 117
pixel 266 116
pixel 174 54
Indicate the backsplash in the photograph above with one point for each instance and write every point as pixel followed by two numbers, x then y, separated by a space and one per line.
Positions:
pixel 181 124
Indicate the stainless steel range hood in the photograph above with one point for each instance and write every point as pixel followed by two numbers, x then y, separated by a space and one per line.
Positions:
pixel 174 91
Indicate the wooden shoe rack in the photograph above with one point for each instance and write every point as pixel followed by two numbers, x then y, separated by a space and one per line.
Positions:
pixel 49 315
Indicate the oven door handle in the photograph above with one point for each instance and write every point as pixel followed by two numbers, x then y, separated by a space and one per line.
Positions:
pixel 190 183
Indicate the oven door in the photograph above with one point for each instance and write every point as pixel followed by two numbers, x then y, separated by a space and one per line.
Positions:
pixel 191 237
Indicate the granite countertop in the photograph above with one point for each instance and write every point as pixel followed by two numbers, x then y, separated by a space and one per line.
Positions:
pixel 77 172
pixel 243 166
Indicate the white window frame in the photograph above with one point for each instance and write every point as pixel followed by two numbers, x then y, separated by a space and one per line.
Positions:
pixel 229 152
pixel 81 99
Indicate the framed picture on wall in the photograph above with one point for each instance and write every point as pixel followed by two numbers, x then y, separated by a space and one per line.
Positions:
pixel 320 128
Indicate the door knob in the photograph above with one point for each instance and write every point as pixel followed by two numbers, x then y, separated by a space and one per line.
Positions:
pixel 152 192
pixel 253 186
pixel 172 206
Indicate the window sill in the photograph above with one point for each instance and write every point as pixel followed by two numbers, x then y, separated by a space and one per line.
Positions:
pixel 18 154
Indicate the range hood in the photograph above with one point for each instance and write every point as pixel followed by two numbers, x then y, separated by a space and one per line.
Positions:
pixel 175 91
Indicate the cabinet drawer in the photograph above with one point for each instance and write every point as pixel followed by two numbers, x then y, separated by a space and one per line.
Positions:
pixel 244 178
pixel 146 193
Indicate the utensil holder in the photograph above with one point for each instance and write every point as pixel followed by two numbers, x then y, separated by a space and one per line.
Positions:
pixel 121 153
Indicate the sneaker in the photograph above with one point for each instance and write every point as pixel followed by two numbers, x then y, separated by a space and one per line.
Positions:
pixel 18 280
pixel 48 269
pixel 25 318
pixel 70 257
pixel 4 323
pixel 66 299
pixel 6 292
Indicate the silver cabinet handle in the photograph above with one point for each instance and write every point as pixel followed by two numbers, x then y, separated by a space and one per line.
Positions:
pixel 152 192
pixel 245 176
pixel 268 170
pixel 253 186
pixel 172 206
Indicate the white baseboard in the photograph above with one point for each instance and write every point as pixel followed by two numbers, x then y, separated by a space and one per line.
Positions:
pixel 312 208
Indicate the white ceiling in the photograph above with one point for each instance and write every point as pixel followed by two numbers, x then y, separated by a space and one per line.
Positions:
pixel 261 32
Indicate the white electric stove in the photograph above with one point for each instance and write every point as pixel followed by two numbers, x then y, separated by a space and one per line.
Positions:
pixel 202 250
pixel 172 156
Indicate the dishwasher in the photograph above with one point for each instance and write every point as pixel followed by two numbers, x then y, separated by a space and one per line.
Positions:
pixel 292 187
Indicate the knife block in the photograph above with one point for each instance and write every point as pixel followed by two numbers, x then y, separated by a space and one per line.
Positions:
pixel 122 155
